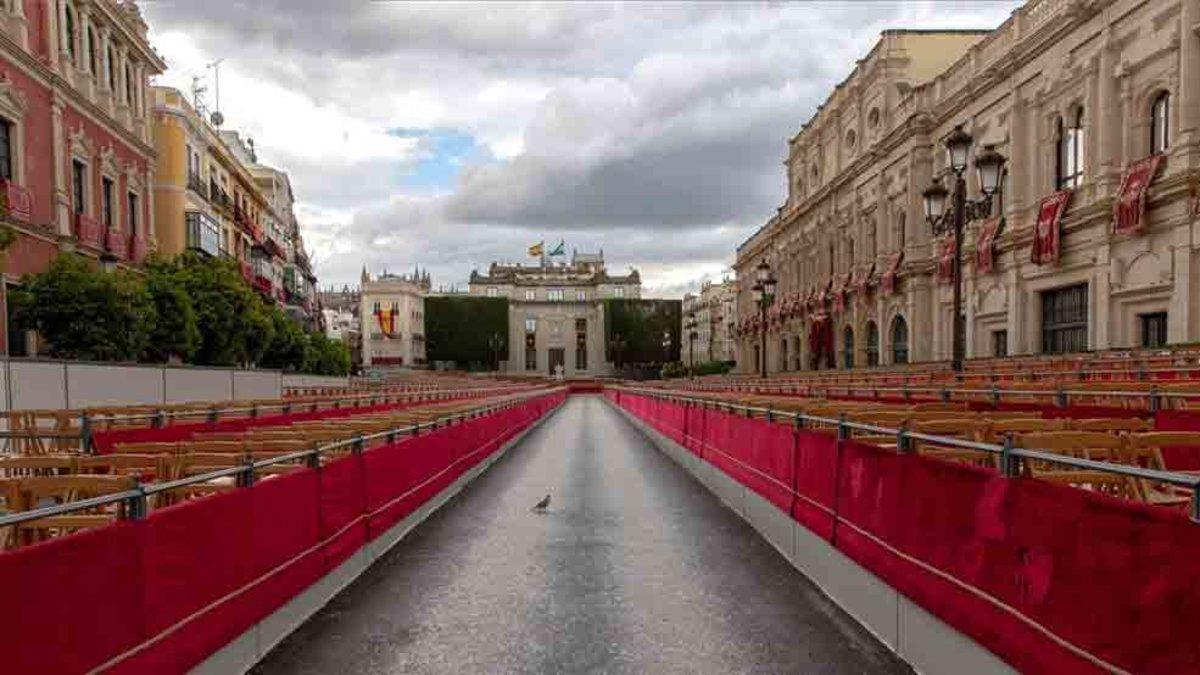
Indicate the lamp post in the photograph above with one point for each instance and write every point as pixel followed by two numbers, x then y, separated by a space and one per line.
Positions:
pixel 691 328
pixel 496 342
pixel 617 346
pixel 764 295
pixel 989 166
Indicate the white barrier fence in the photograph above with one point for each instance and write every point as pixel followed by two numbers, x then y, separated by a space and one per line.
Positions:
pixel 42 384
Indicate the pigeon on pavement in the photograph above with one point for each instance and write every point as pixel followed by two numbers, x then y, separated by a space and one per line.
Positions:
pixel 541 506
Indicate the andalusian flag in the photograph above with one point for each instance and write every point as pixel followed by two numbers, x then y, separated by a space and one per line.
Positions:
pixel 537 250
pixel 561 249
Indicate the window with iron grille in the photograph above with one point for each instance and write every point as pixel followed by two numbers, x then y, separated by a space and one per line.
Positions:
pixel 872 344
pixel 899 340
pixel 848 347
pixel 1065 320
pixel 1160 117
pixel 106 197
pixel 1000 343
pixel 1153 329
pixel 1070 150
pixel 78 181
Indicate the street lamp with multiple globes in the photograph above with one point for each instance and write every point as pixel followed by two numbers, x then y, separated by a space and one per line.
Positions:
pixel 764 295
pixel 989 166
pixel 666 345
pixel 691 329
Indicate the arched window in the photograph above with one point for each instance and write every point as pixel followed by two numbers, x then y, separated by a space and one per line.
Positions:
pixel 848 347
pixel 783 353
pixel 91 50
pixel 1069 150
pixel 112 71
pixel 71 33
pixel 1160 119
pixel 872 344
pixel 129 97
pixel 899 340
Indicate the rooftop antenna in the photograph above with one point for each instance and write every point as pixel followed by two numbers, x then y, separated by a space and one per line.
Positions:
pixel 198 91
pixel 218 118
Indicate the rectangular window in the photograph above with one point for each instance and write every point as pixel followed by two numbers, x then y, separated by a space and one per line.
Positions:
pixel 1065 320
pixel 581 296
pixel 106 196
pixel 530 296
pixel 531 325
pixel 581 326
pixel 580 358
pixel 78 181
pixel 133 213
pixel 493 292
pixel 530 357
pixel 619 292
pixel 1153 329
pixel 203 233
pixel 555 295
pixel 6 157
pixel 999 343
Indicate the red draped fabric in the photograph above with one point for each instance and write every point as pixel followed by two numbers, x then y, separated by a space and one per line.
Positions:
pixel 161 594
pixel 1050 578
pixel 889 276
pixel 985 246
pixel 1047 229
pixel 945 261
pixel 1130 204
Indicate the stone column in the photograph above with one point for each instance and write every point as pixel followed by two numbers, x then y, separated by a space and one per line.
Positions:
pixel 1187 111
pixel 1179 314
pixel 1016 323
pixel 1016 188
pixel 64 54
pixel 62 196
pixel 1101 293
pixel 1109 128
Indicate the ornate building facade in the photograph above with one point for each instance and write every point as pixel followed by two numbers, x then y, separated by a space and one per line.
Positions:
pixel 714 309
pixel 556 312
pixel 1090 243
pixel 391 316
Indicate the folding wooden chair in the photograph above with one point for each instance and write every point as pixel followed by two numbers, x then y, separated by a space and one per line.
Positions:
pixel 33 492
pixel 1145 449
pixel 38 465
pixel 1112 424
pixel 960 428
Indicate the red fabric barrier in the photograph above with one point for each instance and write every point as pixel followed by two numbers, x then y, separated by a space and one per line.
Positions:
pixel 161 594
pixel 1181 458
pixel 71 603
pixel 1053 579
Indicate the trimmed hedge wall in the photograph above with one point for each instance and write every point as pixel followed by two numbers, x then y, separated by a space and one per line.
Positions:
pixel 639 325
pixel 459 329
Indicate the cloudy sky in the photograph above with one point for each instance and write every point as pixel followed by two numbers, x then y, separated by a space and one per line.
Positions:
pixel 450 135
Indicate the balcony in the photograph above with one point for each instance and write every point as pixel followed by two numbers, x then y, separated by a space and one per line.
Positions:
pixel 203 233
pixel 89 232
pixel 247 272
pixel 17 202
pixel 116 243
pixel 218 196
pixel 138 250
pixel 263 285
pixel 196 184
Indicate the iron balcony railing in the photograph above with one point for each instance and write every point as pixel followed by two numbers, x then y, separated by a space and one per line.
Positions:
pixel 135 501
pixel 1009 458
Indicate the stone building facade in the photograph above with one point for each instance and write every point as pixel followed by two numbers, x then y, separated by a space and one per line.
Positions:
pixel 714 309
pixel 392 320
pixel 556 312
pixel 1080 97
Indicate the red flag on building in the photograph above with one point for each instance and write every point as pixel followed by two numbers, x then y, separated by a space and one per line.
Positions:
pixel 985 246
pixel 1130 204
pixel 1046 234
pixel 945 262
pixel 889 275
pixel 862 283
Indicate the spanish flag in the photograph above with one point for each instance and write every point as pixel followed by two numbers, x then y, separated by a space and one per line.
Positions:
pixel 537 250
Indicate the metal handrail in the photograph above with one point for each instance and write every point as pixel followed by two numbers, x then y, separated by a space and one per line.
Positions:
pixel 135 499
pixel 1004 451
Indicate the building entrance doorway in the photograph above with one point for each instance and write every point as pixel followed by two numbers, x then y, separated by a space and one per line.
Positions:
pixel 557 357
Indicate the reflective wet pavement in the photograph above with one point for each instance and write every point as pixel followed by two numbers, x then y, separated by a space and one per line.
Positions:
pixel 634 568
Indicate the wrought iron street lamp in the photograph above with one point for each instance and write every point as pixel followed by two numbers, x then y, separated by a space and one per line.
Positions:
pixel 666 345
pixel 496 342
pixel 764 295
pixel 989 166
pixel 691 329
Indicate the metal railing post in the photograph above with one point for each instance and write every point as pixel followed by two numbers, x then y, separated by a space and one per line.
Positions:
pixel 160 420
pixel 1010 464
pixel 995 396
pixel 214 415
pixel 1060 397
pixel 770 415
pixel 85 433
pixel 254 411
pixel 945 395
pixel 843 432
pixel 245 477
pixel 137 507
pixel 1155 399
pixel 903 442
pixel 359 445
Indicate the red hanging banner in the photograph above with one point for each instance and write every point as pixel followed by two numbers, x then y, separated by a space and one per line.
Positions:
pixel 985 247
pixel 839 294
pixel 862 283
pixel 1046 246
pixel 1130 204
pixel 945 264
pixel 889 276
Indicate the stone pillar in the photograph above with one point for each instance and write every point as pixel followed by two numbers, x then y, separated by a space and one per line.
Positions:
pixel 1179 314
pixel 1016 188
pixel 1016 323
pixel 64 55
pixel 1109 127
pixel 60 166
pixel 1101 293
pixel 969 297
pixel 1187 111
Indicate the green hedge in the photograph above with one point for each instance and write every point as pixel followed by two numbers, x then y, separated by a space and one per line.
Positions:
pixel 460 329
pixel 633 330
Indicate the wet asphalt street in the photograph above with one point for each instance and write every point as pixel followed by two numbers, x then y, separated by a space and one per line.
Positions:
pixel 635 568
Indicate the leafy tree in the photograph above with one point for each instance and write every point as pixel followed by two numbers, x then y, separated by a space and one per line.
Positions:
pixel 288 347
pixel 326 356
pixel 85 313
pixel 233 327
pixel 466 329
pixel 176 332
pixel 634 330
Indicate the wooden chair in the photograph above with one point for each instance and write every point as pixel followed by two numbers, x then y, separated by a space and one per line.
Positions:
pixel 38 465
pixel 1085 444
pixel 32 492
pixel 1112 424
pixel 143 467
pixel 998 429
pixel 1145 449
pixel 961 428
pixel 149 448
